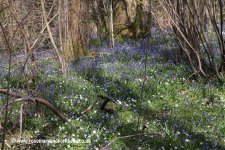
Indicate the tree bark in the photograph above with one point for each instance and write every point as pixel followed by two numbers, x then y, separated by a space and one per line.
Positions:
pixel 111 34
pixel 77 38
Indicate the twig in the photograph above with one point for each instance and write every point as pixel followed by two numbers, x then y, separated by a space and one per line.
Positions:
pixel 89 108
pixel 21 121
pixel 28 45
pixel 59 54
pixel 43 29
pixel 8 84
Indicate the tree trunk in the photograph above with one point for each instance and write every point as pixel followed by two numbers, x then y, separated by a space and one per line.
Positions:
pixel 111 34
pixel 77 37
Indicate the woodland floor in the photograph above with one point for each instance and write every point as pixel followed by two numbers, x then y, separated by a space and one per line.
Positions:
pixel 180 110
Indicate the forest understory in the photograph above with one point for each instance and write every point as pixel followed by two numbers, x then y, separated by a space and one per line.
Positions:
pixel 159 104
pixel 112 74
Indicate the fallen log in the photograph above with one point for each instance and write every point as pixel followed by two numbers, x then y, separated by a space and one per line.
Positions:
pixel 38 100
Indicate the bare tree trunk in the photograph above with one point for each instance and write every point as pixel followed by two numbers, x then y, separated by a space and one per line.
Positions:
pixel 222 65
pixel 111 34
pixel 77 37
pixel 150 18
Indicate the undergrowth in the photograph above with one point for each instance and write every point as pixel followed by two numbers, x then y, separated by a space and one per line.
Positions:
pixel 181 112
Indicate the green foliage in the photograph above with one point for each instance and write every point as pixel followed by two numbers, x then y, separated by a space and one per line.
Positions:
pixel 95 42
pixel 175 107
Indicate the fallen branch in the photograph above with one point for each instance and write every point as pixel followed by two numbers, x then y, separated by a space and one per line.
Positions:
pixel 102 107
pixel 89 108
pixel 39 100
